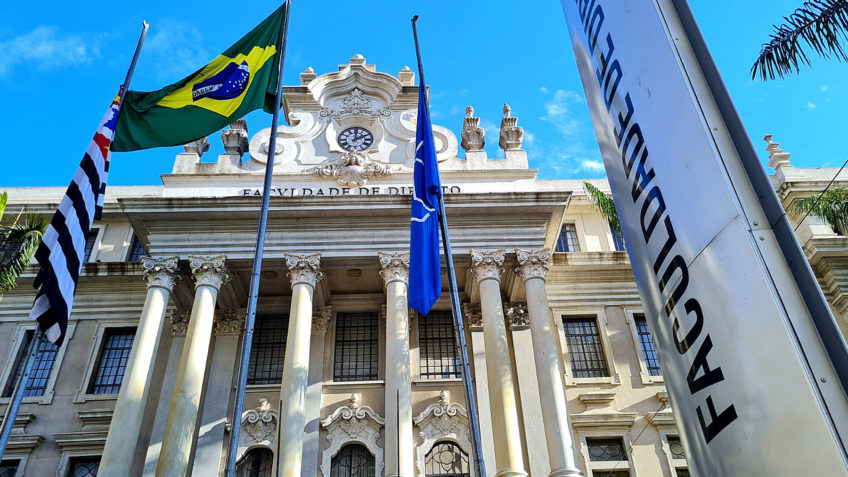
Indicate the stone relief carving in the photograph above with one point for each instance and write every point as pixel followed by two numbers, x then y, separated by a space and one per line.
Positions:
pixel 259 428
pixel 511 136
pixel 532 263
pixel 442 420
pixel 304 269
pixel 351 168
pixel 198 146
pixel 472 314
pixel 160 271
pixel 516 313
pixel 355 103
pixel 209 271
pixel 230 321
pixel 321 319
pixel 235 138
pixel 473 136
pixel 179 322
pixel 487 264
pixel 353 423
pixel 394 266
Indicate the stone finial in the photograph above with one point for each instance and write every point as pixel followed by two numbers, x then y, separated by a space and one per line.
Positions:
pixel 354 401
pixel 532 263
pixel 487 264
pixel 199 147
pixel 394 266
pixel 777 157
pixel 511 135
pixel 235 138
pixel 307 76
pixel 357 60
pixel 406 76
pixel 229 321
pixel 160 271
pixel 472 314
pixel 444 397
pixel 304 269
pixel 321 319
pixel 209 271
pixel 473 136
pixel 516 313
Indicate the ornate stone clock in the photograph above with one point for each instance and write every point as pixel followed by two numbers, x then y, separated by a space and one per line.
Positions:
pixel 355 139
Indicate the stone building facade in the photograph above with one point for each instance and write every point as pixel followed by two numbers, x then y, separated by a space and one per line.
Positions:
pixel 344 379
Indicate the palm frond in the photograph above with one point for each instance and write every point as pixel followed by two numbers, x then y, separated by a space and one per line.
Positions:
pixel 3 198
pixel 604 204
pixel 833 207
pixel 818 24
pixel 18 246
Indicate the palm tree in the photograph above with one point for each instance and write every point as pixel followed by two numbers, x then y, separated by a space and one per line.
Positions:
pixel 18 242
pixel 605 206
pixel 818 24
pixel 832 206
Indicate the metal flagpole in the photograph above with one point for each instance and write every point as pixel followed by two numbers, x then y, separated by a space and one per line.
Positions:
pixel 459 329
pixel 20 387
pixel 253 294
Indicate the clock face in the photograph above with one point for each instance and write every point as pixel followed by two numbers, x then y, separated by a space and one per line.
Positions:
pixel 355 139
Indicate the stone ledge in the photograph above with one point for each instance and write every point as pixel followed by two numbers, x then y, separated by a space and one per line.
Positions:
pixel 593 400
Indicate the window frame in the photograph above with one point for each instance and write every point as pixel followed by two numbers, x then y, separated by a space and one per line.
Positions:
pixel 272 386
pixel 578 229
pixel 95 248
pixel 97 339
pixel 21 458
pixel 600 316
pixel 68 458
pixel 606 466
pixel 645 376
pixel 419 379
pixel 16 351
pixel 128 249
pixel 332 333
pixel 612 243
pixel 673 464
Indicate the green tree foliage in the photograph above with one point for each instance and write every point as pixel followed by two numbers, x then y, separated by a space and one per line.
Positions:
pixel 833 207
pixel 19 240
pixel 604 204
pixel 819 25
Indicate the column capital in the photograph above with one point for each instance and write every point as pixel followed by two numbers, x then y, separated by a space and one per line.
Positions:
pixel 532 263
pixel 209 271
pixel 472 315
pixel 304 269
pixel 516 313
pixel 160 272
pixel 394 266
pixel 229 321
pixel 487 264
pixel 321 319
pixel 179 322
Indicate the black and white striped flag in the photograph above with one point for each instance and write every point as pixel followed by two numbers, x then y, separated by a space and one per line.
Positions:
pixel 62 251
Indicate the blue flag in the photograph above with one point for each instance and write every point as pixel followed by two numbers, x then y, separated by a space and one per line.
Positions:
pixel 425 264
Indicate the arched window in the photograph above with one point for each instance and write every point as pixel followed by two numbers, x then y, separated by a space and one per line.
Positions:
pixel 446 459
pixel 353 460
pixel 256 463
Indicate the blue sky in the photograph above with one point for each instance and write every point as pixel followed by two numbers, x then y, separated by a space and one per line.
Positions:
pixel 63 61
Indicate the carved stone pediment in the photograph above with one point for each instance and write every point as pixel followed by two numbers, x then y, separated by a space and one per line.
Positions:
pixel 442 420
pixel 355 103
pixel 353 423
pixel 352 168
pixel 258 428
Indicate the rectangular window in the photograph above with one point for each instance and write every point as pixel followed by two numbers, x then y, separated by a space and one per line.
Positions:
pixel 682 472
pixel 136 250
pixel 117 344
pixel 676 448
pixel 357 342
pixel 611 453
pixel 618 240
pixel 8 468
pixel 584 348
pixel 45 358
pixel 268 350
pixel 89 243
pixel 568 239
pixel 437 345
pixel 84 467
pixel 646 341
pixel 611 473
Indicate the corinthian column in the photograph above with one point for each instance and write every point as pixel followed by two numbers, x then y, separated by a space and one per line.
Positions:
pixel 532 267
pixel 487 268
pixel 304 273
pixel 160 274
pixel 399 441
pixel 181 428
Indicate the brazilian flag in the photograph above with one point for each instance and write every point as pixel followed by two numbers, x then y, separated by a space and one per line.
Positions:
pixel 240 80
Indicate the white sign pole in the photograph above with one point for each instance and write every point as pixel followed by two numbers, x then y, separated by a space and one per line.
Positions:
pixel 755 366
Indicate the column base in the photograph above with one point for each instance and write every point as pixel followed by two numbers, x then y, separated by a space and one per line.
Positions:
pixel 565 472
pixel 511 473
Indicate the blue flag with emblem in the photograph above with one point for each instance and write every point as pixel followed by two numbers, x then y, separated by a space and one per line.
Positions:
pixel 425 264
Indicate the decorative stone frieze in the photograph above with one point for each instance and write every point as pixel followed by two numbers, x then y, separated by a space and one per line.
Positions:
pixel 353 423
pixel 160 271
pixel 511 135
pixel 209 271
pixel 516 313
pixel 442 420
pixel 355 103
pixel 352 168
pixel 199 147
pixel 235 138
pixel 487 264
pixel 304 269
pixel 394 266
pixel 321 319
pixel 179 322
pixel 472 315
pixel 259 427
pixel 229 321
pixel 532 263
pixel 473 136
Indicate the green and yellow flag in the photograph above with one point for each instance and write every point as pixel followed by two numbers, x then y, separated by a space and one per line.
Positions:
pixel 240 80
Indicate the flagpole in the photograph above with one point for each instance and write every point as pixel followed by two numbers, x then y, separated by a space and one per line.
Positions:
pixel 253 294
pixel 20 387
pixel 459 329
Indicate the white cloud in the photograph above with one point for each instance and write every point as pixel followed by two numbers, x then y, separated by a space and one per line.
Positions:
pixel 45 49
pixel 177 49
pixel 529 139
pixel 543 89
pixel 592 166
pixel 558 112
pixel 824 88
pixel 811 105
